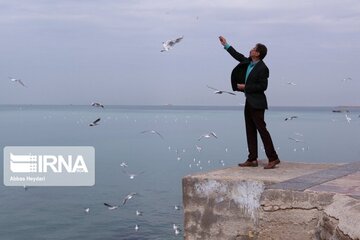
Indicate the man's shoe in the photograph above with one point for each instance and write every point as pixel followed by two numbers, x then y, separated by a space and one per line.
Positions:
pixel 272 164
pixel 249 164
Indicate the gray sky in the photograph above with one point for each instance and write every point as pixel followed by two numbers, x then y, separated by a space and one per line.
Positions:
pixel 80 51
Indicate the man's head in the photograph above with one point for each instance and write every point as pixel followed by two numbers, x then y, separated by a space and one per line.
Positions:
pixel 258 52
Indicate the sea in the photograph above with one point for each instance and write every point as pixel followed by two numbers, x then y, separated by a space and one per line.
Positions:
pixel 160 145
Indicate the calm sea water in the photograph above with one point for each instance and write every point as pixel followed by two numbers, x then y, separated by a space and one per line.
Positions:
pixel 58 212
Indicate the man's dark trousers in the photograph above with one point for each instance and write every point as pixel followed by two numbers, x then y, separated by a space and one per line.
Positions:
pixel 254 121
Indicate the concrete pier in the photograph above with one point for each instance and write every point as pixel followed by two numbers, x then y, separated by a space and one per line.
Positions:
pixel 293 201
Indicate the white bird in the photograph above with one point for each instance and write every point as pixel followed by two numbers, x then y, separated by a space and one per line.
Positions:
pixel 167 45
pixel 176 226
pixel 111 207
pixel 128 197
pixel 347 79
pixel 87 210
pixel 95 123
pixel 139 213
pixel 177 207
pixel 18 81
pixel 198 148
pixel 217 91
pixel 291 83
pixel 132 175
pixel 348 119
pixel 177 231
pixel 136 227
pixel 153 132
pixel 208 135
pixel 96 104
pixel 123 164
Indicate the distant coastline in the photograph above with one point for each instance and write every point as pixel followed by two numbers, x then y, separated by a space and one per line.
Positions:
pixel 180 107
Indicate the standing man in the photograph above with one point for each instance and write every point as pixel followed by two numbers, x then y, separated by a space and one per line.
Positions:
pixel 250 76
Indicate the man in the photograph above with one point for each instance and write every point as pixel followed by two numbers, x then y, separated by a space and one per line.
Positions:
pixel 251 77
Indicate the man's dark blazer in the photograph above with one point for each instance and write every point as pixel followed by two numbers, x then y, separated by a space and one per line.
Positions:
pixel 256 83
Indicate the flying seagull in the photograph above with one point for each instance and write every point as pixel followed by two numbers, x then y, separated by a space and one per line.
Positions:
pixel 167 45
pixel 291 83
pixel 95 123
pixel 290 118
pixel 348 119
pixel 111 207
pixel 18 81
pixel 347 79
pixel 153 132
pixel 96 104
pixel 217 91
pixel 128 197
pixel 123 164
pixel 208 135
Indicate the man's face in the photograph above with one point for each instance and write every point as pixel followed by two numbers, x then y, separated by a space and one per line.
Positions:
pixel 254 53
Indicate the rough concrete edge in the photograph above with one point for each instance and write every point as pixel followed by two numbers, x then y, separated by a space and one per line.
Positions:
pixel 346 210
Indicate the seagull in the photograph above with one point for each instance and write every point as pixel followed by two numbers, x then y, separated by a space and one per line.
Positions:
pixel 177 231
pixel 132 175
pixel 217 91
pixel 290 118
pixel 153 132
pixel 291 83
pixel 111 207
pixel 348 119
pixel 123 164
pixel 95 123
pixel 176 226
pixel 87 210
pixel 139 213
pixel 167 45
pixel 96 104
pixel 177 207
pixel 208 135
pixel 198 148
pixel 128 197
pixel 136 227
pixel 18 81
pixel 347 79
pixel 295 139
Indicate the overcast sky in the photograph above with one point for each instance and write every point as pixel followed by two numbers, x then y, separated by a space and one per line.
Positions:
pixel 80 51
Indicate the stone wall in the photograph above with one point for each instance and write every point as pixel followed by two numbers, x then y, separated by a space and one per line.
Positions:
pixel 241 209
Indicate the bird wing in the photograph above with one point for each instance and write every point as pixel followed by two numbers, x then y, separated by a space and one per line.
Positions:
pixel 97 120
pixel 108 205
pixel 178 39
pixel 212 88
pixel 21 82
pixel 213 134
pixel 229 92
pixel 159 134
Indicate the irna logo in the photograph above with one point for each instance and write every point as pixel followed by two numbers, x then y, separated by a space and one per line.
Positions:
pixel 46 163
pixel 49 166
